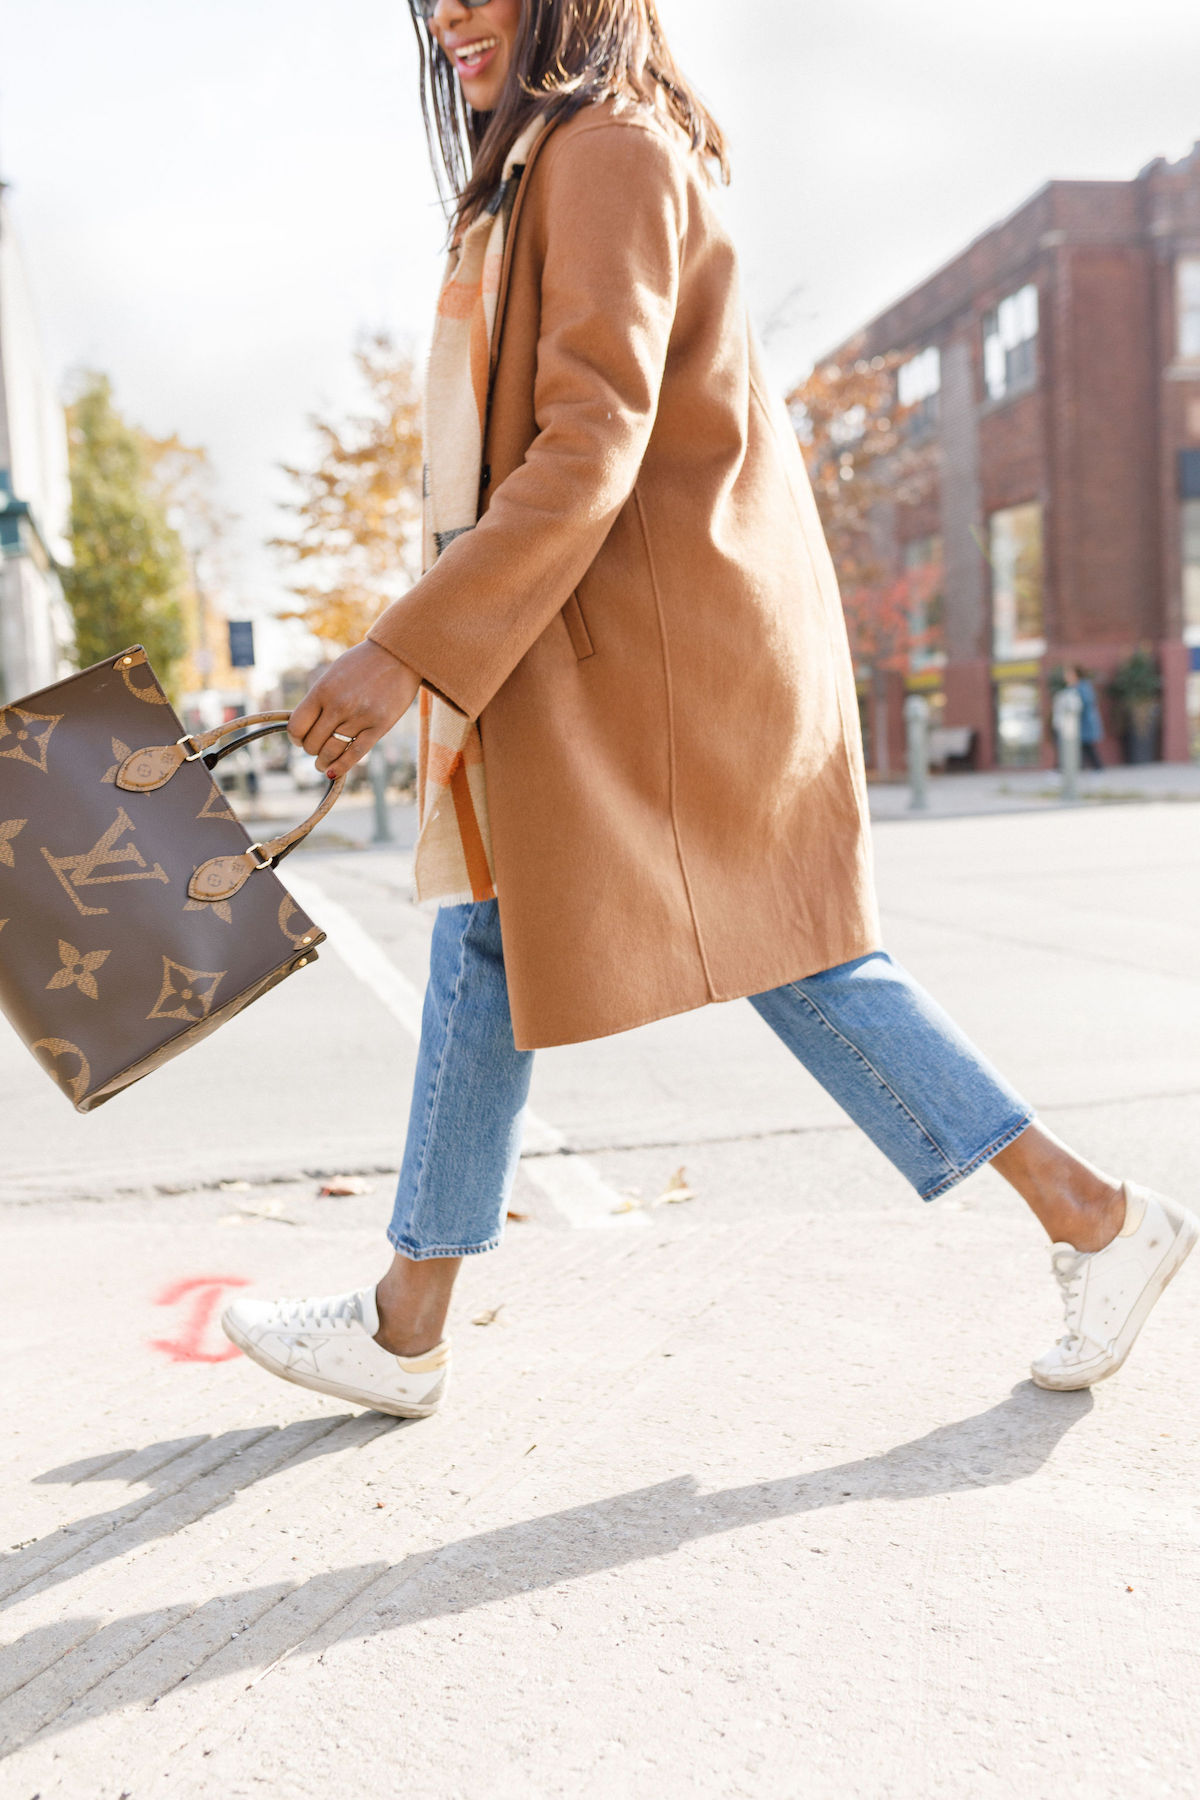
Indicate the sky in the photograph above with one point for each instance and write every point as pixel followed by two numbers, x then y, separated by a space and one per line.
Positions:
pixel 217 199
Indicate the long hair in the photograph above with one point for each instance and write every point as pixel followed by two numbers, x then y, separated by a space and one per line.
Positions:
pixel 568 54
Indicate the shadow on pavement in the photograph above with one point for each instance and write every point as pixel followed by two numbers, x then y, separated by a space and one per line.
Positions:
pixel 139 1658
pixel 187 1477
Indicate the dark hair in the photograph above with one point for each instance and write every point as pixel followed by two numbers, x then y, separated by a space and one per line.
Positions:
pixel 569 53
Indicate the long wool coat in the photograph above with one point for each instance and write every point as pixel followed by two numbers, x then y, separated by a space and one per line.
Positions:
pixel 645 620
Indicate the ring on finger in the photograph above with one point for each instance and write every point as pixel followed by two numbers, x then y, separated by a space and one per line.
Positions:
pixel 343 737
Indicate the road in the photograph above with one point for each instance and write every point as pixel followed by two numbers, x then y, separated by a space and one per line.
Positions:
pixel 744 1494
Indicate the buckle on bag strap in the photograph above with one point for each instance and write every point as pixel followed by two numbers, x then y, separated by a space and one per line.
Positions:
pixel 192 751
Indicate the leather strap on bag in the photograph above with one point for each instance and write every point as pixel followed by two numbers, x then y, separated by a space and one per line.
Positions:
pixel 151 768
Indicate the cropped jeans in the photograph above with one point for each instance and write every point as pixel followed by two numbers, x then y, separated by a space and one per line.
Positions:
pixel 884 1050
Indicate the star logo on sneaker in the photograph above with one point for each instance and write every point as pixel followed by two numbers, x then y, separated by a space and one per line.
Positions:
pixel 301 1356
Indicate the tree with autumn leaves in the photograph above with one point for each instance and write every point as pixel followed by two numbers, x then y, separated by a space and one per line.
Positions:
pixel 357 506
pixel 144 512
pixel 356 510
pixel 128 573
pixel 864 461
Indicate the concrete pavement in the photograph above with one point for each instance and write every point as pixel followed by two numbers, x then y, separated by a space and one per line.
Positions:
pixel 742 1495
pixel 1039 790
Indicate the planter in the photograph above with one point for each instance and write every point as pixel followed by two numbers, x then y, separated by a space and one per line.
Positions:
pixel 1142 735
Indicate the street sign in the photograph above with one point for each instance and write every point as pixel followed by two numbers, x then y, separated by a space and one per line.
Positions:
pixel 241 643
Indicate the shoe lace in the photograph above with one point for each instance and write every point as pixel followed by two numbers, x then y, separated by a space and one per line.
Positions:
pixel 324 1313
pixel 1068 1270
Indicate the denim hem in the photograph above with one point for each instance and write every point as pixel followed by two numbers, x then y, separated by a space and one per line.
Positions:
pixel 1005 1138
pixel 901 1105
pixel 425 1253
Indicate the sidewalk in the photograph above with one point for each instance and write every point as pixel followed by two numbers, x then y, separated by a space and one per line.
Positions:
pixel 352 822
pixel 1038 790
pixel 744 1495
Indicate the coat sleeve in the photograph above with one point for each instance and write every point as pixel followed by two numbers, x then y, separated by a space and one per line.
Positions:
pixel 613 221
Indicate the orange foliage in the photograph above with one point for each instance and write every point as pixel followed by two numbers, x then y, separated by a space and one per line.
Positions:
pixel 863 460
pixel 358 513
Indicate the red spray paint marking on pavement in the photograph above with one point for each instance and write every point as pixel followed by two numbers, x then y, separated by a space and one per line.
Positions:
pixel 205 1291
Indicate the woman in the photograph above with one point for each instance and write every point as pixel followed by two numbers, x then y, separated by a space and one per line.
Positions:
pixel 1091 729
pixel 630 624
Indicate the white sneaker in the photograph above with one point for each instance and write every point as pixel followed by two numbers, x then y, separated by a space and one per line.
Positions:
pixel 329 1344
pixel 1108 1294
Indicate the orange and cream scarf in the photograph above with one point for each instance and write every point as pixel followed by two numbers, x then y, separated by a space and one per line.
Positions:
pixel 454 844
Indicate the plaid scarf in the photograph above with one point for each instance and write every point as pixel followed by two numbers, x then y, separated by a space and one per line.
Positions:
pixel 454 845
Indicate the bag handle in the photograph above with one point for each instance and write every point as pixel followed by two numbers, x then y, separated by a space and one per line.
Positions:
pixel 152 768
pixel 213 757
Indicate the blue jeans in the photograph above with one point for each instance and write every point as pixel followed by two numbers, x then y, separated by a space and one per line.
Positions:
pixel 876 1042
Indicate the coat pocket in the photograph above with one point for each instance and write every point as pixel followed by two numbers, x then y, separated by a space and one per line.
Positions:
pixel 577 631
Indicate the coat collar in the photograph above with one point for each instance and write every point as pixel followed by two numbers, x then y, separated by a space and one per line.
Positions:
pixel 518 173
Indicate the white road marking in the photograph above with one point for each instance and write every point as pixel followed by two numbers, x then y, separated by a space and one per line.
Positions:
pixel 571 1183
pixel 580 1193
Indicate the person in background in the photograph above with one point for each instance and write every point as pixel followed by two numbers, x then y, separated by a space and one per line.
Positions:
pixel 1091 727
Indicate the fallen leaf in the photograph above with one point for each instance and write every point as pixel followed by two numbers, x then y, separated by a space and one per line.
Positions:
pixel 490 1317
pixel 519 1217
pixel 676 1190
pixel 343 1186
pixel 628 1206
pixel 270 1209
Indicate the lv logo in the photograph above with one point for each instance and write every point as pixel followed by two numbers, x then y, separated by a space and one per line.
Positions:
pixel 108 860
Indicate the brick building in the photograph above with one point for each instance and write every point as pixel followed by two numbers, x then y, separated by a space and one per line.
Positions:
pixel 1054 368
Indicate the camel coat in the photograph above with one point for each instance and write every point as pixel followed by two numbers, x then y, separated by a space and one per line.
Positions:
pixel 645 621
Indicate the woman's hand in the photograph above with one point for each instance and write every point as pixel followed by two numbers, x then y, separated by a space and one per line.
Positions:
pixel 361 695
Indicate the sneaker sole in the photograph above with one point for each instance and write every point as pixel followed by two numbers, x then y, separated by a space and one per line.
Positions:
pixel 1181 1248
pixel 394 1409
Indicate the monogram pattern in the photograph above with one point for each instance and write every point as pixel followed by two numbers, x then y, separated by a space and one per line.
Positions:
pixel 288 910
pixel 220 909
pixel 8 831
pixel 26 735
pixel 78 969
pixel 215 808
pixel 128 668
pixel 108 967
pixel 121 752
pixel 186 993
pixel 88 868
pixel 54 1052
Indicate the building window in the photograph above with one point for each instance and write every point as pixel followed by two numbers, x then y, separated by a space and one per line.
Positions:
pixel 1018 724
pixel 918 384
pixel 1189 307
pixel 1015 553
pixel 1191 571
pixel 1010 345
pixel 923 583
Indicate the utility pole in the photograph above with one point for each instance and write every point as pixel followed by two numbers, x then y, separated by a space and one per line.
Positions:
pixel 916 722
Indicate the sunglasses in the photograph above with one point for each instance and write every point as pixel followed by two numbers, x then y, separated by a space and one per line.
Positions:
pixel 425 9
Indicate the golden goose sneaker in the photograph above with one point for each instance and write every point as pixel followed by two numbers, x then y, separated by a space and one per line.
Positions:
pixel 329 1344
pixel 1108 1294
